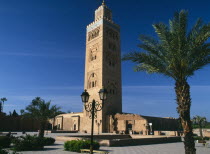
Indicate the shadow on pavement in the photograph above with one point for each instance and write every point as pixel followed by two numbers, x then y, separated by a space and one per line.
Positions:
pixel 50 149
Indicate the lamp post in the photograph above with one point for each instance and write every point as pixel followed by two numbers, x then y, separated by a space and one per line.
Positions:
pixel 93 107
pixel 150 124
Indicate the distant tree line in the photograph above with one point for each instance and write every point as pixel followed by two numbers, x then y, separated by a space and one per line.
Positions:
pixel 38 110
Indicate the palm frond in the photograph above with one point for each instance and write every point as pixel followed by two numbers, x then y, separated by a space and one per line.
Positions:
pixel 148 63
pixel 41 110
pixel 195 31
pixel 152 46
pixel 176 53
pixel 163 33
pixel 203 35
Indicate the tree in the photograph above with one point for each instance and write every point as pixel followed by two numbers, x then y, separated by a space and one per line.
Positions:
pixel 69 111
pixel 22 112
pixel 201 122
pixel 177 53
pixel 2 100
pixel 41 111
pixel 14 114
pixel 1 108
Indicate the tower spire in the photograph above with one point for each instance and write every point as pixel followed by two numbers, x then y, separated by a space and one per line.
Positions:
pixel 103 2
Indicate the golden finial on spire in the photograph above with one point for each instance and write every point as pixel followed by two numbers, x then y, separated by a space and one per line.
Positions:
pixel 103 3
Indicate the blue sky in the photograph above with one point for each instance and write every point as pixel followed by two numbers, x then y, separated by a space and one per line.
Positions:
pixel 42 49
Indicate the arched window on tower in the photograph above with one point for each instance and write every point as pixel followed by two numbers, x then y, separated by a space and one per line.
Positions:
pixel 93 53
pixel 112 89
pixel 92 81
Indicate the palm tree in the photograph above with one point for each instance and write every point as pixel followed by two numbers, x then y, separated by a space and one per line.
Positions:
pixel 41 111
pixel 201 122
pixel 4 99
pixel 22 112
pixel 1 108
pixel 177 54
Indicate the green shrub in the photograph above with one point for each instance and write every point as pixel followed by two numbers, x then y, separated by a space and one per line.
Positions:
pixel 76 145
pixel 67 145
pixel 197 138
pixel 206 138
pixel 5 141
pixel 200 138
pixel 48 140
pixel 2 151
pixel 6 151
pixel 28 143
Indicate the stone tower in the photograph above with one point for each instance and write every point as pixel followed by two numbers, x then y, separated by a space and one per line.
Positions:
pixel 103 66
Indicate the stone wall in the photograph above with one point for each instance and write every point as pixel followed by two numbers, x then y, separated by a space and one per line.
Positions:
pixel 143 141
pixel 122 123
pixel 121 140
pixel 68 122
pixel 206 132
pixel 8 123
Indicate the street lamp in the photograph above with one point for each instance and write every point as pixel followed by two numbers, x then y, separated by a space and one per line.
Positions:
pixel 93 107
pixel 150 124
pixel 85 96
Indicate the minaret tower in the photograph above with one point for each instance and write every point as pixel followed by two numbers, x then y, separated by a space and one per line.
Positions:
pixel 103 66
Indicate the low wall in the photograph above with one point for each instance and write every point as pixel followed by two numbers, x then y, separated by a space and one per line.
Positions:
pixel 206 132
pixel 143 141
pixel 10 123
pixel 122 140
pixel 63 131
pixel 96 137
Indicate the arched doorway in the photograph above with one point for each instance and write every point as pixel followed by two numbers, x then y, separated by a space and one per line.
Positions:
pixel 129 127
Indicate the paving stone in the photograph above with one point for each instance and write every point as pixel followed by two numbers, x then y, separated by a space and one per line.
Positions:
pixel 169 148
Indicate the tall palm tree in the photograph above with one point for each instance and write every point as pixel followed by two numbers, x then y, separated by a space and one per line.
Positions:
pixel 4 99
pixel 201 122
pixel 41 111
pixel 177 53
pixel 22 112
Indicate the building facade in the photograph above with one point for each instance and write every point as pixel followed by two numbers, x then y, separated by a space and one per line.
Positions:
pixel 103 70
pixel 102 65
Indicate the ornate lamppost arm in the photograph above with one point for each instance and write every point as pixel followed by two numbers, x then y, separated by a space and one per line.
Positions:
pixel 88 107
pixel 98 106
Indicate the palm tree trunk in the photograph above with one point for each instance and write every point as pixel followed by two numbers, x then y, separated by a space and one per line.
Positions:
pixel 201 133
pixel 184 102
pixel 53 123
pixel 41 129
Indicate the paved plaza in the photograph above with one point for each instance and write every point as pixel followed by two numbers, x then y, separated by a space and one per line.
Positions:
pixel 169 148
